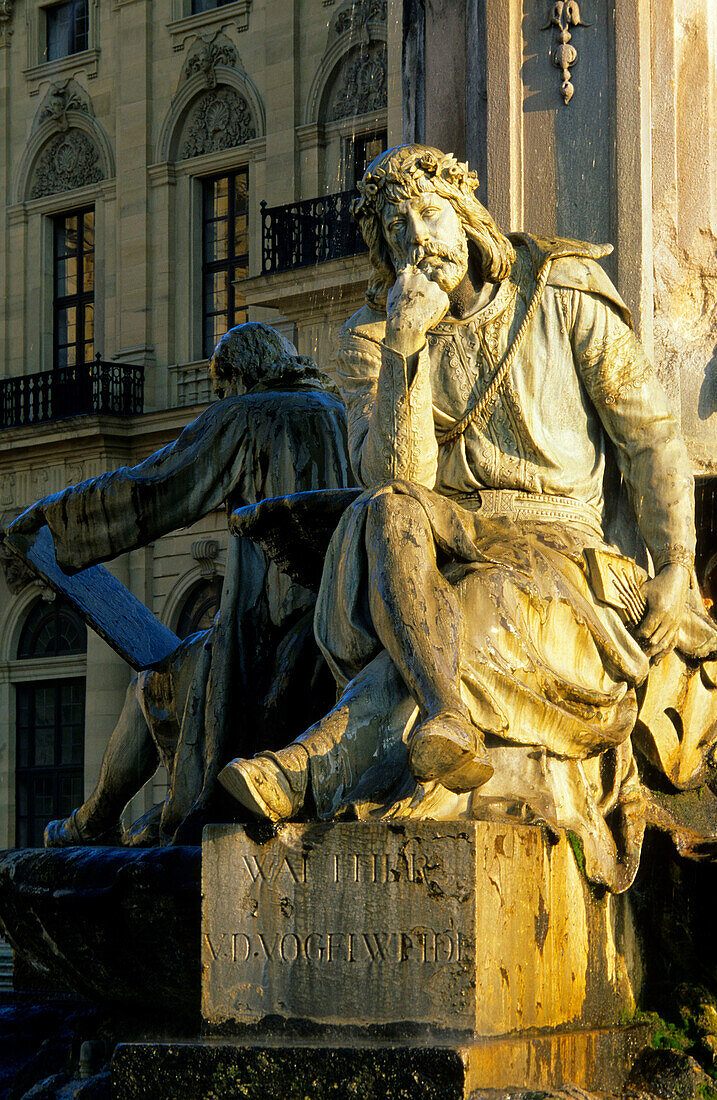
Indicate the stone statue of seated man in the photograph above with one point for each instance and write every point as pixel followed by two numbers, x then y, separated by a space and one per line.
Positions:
pixel 241 685
pixel 502 604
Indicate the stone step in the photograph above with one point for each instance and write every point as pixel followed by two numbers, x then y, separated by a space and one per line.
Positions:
pixel 597 1060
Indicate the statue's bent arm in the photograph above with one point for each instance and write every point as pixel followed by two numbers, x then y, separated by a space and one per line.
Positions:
pixel 391 431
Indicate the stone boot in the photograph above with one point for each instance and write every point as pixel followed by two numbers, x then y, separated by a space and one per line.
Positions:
pixel 272 785
pixel 448 748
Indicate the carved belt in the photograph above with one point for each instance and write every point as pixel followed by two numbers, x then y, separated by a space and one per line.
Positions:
pixel 541 506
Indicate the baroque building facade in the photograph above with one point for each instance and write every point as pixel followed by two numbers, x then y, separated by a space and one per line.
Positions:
pixel 168 168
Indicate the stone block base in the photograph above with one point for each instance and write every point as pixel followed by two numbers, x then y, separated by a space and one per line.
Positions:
pixel 466 929
pixel 597 1060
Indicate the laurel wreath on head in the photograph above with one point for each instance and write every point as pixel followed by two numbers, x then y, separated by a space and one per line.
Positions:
pixel 423 163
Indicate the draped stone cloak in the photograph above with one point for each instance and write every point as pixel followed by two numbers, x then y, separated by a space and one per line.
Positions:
pixel 254 678
pixel 550 674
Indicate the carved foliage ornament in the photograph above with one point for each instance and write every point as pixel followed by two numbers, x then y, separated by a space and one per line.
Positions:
pixel 564 14
pixel 219 120
pixel 205 55
pixel 6 7
pixel 360 87
pixel 59 100
pixel 359 13
pixel 68 161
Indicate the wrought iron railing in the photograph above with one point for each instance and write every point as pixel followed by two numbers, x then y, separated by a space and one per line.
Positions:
pixel 311 232
pixel 97 387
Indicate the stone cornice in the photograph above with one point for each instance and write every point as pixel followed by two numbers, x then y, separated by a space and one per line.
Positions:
pixel 89 434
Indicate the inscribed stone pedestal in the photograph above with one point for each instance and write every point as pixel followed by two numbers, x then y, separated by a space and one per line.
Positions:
pixel 469 927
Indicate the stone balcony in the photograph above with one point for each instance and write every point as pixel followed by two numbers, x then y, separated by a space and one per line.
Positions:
pixel 300 234
pixel 95 388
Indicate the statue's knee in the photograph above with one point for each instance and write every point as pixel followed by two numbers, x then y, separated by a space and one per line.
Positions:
pixel 394 515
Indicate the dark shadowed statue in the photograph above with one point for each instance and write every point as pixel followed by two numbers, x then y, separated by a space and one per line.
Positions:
pixel 247 682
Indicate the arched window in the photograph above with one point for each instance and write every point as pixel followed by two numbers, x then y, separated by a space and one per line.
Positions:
pixel 52 630
pixel 200 607
pixel 50 724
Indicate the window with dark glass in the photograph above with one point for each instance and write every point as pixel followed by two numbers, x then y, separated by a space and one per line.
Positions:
pixel 52 630
pixel 67 28
pixel 366 147
pixel 208 5
pixel 50 725
pixel 225 254
pixel 74 300
pixel 50 755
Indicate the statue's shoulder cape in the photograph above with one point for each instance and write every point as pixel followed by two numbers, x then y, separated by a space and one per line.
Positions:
pixel 574 266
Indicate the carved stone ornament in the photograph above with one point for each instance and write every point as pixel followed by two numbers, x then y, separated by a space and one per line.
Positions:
pixel 6 10
pixel 357 14
pixel 206 54
pixel 360 86
pixel 68 161
pixel 205 552
pixel 220 119
pixel 60 99
pixel 563 15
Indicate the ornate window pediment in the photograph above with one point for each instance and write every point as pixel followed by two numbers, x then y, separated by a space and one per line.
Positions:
pixel 218 119
pixel 206 54
pixel 359 86
pixel 356 15
pixel 67 161
pixel 62 98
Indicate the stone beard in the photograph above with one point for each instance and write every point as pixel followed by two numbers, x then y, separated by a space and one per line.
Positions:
pixel 482 674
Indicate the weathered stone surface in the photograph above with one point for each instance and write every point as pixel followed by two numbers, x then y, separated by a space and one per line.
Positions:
pixel 668 1075
pixel 186 1071
pixel 118 926
pixel 471 927
pixel 497 1069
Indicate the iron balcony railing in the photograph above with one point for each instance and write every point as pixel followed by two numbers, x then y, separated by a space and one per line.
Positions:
pixel 98 387
pixel 311 232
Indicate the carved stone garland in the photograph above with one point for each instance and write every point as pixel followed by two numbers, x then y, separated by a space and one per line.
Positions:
pixel 220 119
pixel 361 85
pixel 206 54
pixel 359 13
pixel 563 15
pixel 70 160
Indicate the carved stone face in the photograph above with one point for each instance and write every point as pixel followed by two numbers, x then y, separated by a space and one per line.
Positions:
pixel 425 231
